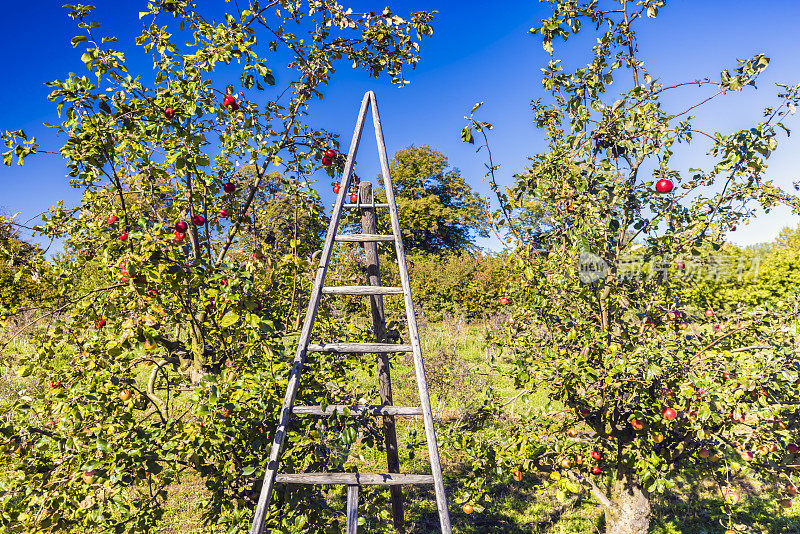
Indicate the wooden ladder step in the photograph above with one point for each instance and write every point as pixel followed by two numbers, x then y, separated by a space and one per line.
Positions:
pixel 365 205
pixel 357 479
pixel 352 238
pixel 362 290
pixel 372 409
pixel 366 348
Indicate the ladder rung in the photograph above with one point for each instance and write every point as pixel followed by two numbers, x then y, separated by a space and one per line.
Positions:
pixel 362 479
pixel 362 290
pixel 365 205
pixel 374 348
pixel 363 237
pixel 372 409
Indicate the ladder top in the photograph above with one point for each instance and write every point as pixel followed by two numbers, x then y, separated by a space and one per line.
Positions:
pixel 359 479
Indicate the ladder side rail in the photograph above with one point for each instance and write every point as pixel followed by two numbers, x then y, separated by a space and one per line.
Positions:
pixel 297 365
pixel 419 368
pixel 352 509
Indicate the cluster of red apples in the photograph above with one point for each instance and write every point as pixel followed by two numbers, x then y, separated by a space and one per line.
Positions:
pixel 228 102
pixel 181 227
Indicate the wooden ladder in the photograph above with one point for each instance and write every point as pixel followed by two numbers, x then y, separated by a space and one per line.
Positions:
pixel 369 238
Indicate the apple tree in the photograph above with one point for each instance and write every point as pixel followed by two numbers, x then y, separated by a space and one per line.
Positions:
pixel 648 378
pixel 161 353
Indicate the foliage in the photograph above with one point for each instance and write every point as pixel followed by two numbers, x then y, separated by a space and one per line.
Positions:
pixel 617 350
pixel 462 285
pixel 160 275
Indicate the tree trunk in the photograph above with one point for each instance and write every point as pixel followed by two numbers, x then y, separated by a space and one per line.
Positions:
pixel 629 512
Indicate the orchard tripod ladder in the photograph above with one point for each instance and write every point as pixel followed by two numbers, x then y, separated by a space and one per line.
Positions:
pixel 375 291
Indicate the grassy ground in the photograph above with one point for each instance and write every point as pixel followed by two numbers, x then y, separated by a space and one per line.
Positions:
pixel 458 373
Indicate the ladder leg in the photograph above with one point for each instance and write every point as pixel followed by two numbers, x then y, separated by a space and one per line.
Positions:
pixel 277 446
pixel 419 367
pixel 369 226
pixel 352 509
pixel 313 303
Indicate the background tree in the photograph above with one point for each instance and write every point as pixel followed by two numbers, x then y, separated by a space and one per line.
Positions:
pixel 649 377
pixel 20 263
pixel 439 212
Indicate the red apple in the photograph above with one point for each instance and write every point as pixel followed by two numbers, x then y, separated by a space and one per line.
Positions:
pixel 792 448
pixel 704 453
pixel 741 417
pixel 664 186
pixel 336 189
pixel 584 412
pixel 326 161
pixel 101 323
pixel 169 113
pixel 88 476
pixel 731 496
pixel 181 226
pixel 123 237
pixel 504 301
pixel 354 198
pixel 596 470
pixel 229 187
pixel 680 265
pixel 709 313
pixel 669 413
pixel 791 489
pixel 517 475
pixel 178 236
pixel 111 219
pixel 747 456
pixel 230 102
pixel 198 220
pixel 597 455
pixel 673 315
pixel 55 384
pixel 222 213
pixel 636 424
pixel 785 503
pixel 331 153
pixel 717 327
pixel 224 281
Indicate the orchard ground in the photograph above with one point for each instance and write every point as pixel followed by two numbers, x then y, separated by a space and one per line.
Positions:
pixel 459 373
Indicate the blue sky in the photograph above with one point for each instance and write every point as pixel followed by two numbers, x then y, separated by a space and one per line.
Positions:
pixel 479 52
